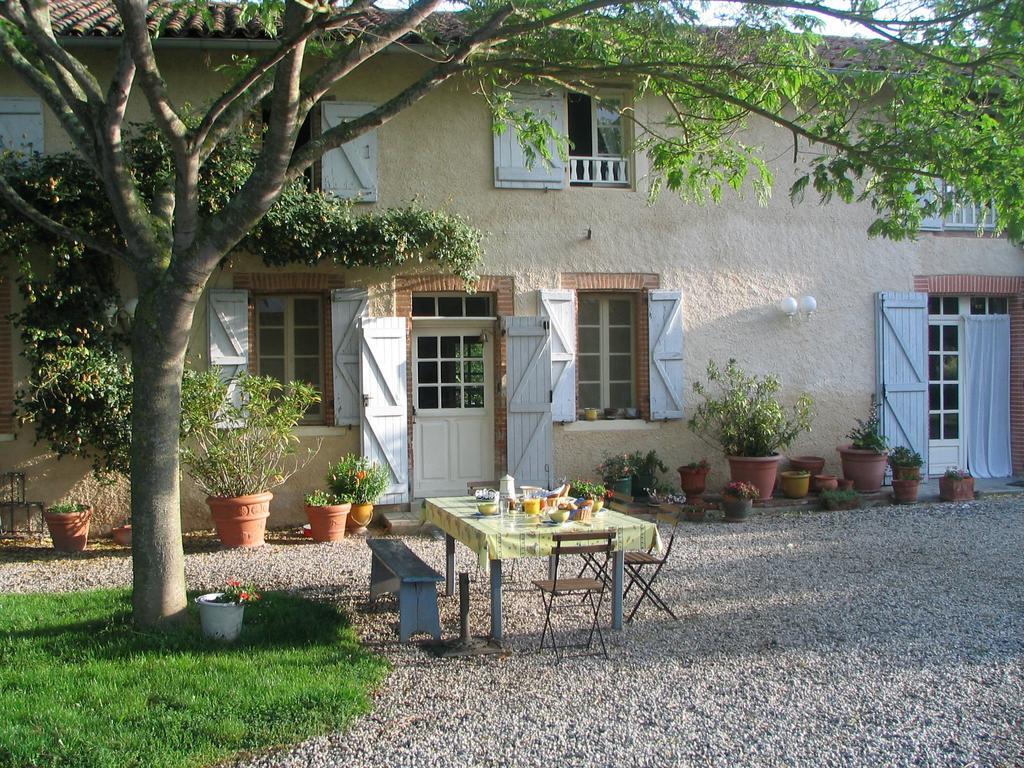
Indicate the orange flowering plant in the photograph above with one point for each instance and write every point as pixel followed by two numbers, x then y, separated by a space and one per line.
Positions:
pixel 358 479
pixel 236 591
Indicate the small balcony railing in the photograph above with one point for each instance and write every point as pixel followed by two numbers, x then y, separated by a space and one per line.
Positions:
pixel 599 171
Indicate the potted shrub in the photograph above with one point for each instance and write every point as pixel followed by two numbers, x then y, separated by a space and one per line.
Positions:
pixel 865 458
pixel 737 499
pixel 744 417
pixel 237 451
pixel 796 483
pixel 363 481
pixel 595 492
pixel 221 613
pixel 906 474
pixel 617 473
pixel 646 467
pixel 956 485
pixel 327 515
pixel 693 478
pixel 836 499
pixel 68 522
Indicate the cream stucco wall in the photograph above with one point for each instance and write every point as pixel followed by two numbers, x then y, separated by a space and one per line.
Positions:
pixel 734 262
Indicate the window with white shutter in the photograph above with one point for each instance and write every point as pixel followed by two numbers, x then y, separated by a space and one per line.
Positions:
pixel 350 171
pixel 21 125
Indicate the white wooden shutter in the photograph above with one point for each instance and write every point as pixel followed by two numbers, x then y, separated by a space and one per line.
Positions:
pixel 21 125
pixel 348 307
pixel 512 169
pixel 901 336
pixel 530 452
pixel 559 306
pixel 385 427
pixel 350 171
pixel 665 337
pixel 229 331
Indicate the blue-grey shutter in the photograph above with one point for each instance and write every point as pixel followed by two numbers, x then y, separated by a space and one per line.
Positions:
pixel 350 171
pixel 528 389
pixel 348 307
pixel 901 335
pixel 512 167
pixel 665 336
pixel 21 125
pixel 559 306
pixel 385 423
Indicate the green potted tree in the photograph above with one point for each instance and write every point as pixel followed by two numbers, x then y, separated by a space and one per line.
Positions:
pixel 617 473
pixel 693 478
pixel 646 467
pixel 327 515
pixel 236 452
pixel 363 481
pixel 743 416
pixel 865 458
pixel 68 523
pixel 906 474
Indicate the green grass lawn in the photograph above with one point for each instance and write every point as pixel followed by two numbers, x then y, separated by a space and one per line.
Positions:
pixel 80 687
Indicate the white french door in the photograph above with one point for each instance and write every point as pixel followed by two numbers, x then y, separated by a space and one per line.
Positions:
pixel 453 400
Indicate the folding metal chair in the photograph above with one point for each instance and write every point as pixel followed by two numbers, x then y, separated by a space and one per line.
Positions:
pixel 586 594
pixel 636 563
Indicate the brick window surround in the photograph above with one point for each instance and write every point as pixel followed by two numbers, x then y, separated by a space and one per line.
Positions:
pixel 6 358
pixel 1012 288
pixel 502 292
pixel 637 283
pixel 322 283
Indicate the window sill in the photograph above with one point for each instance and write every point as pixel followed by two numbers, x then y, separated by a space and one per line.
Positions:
pixel 320 430
pixel 610 425
pixel 6 437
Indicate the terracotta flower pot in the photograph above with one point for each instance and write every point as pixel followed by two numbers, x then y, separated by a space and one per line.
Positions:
pixel 951 489
pixel 795 484
pixel 844 484
pixel 865 468
pixel 906 473
pixel 123 535
pixel 759 471
pixel 826 482
pixel 240 521
pixel 813 464
pixel 70 530
pixel 359 517
pixel 736 510
pixel 693 481
pixel 905 491
pixel 328 522
pixel 695 513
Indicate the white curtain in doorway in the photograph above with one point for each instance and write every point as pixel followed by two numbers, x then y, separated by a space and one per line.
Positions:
pixel 987 349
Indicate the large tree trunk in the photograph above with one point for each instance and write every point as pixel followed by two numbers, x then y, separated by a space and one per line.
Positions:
pixel 159 343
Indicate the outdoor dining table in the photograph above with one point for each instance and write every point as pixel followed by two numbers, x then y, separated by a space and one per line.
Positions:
pixel 496 538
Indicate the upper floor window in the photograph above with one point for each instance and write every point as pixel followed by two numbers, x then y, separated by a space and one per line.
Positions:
pixel 597 141
pixel 967 216
pixel 290 342
pixel 606 356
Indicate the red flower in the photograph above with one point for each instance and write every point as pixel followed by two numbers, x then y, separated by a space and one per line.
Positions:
pixel 234 583
pixel 360 475
pixel 244 595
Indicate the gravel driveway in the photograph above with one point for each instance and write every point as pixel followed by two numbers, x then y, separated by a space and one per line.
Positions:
pixel 889 636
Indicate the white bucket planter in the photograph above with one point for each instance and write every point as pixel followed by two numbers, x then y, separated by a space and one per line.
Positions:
pixel 221 621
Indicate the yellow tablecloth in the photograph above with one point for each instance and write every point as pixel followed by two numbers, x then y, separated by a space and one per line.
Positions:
pixel 496 538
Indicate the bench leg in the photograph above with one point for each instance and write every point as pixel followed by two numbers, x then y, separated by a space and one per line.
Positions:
pixel 449 565
pixel 417 611
pixel 382 580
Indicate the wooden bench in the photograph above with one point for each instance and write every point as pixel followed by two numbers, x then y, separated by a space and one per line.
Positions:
pixel 396 568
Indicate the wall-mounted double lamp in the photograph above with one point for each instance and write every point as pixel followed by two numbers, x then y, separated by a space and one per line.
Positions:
pixel 123 315
pixel 804 308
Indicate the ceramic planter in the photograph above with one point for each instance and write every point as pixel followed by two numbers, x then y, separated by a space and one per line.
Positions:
pixel 865 468
pixel 241 521
pixel 327 522
pixel 359 517
pixel 220 621
pixel 736 510
pixel 123 535
pixel 759 471
pixel 905 491
pixel 70 530
pixel 795 484
pixel 826 482
pixel 951 489
pixel 815 465
pixel 641 482
pixel 693 481
pixel 623 485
